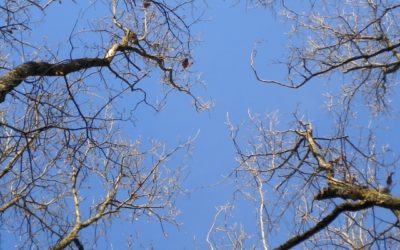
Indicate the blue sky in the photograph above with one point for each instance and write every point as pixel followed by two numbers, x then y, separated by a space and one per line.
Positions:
pixel 222 57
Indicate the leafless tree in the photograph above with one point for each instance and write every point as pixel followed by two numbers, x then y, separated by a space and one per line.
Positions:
pixel 355 40
pixel 319 189
pixel 331 191
pixel 66 163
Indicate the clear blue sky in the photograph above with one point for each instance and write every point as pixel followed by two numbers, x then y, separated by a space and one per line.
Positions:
pixel 226 37
pixel 223 58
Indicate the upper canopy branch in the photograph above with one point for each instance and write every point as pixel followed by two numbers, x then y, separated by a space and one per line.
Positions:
pixel 313 147
pixel 350 191
pixel 346 189
pixel 345 207
pixel 17 75
pixel 347 64
pixel 357 197
pixel 14 77
pixel 357 41
pixel 129 42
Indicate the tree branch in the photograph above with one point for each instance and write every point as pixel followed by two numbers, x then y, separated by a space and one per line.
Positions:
pixel 345 207
pixel 14 77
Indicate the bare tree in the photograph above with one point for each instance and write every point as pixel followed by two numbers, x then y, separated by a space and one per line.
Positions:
pixel 332 190
pixel 66 163
pixel 357 40
pixel 336 190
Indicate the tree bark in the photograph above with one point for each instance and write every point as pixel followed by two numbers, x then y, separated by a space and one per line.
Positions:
pixel 14 77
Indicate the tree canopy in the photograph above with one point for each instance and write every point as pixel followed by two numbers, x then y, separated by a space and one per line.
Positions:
pixel 74 168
